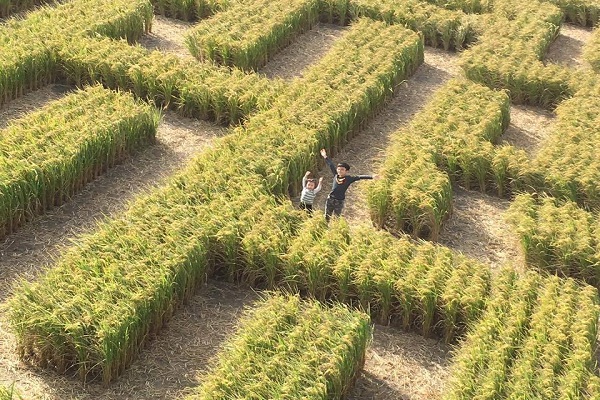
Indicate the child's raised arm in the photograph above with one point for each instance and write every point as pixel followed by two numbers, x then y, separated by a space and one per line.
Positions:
pixel 329 162
pixel 319 186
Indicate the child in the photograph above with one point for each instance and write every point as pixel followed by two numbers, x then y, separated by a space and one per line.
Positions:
pixel 307 197
pixel 341 182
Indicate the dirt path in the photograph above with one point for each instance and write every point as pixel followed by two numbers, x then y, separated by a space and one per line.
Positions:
pixel 306 50
pixel 567 48
pixel 529 128
pixel 402 365
pixel 168 35
pixel 477 228
pixel 31 101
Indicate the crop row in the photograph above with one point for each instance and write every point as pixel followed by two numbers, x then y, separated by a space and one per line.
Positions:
pixel 27 46
pixel 417 286
pixel 8 393
pixel 48 155
pixel 286 348
pixel 580 12
pixel 421 286
pixel 568 161
pixel 192 89
pixel 454 132
pixel 440 27
pixel 189 10
pixel 95 308
pixel 558 236
pixel 536 339
pixel 249 33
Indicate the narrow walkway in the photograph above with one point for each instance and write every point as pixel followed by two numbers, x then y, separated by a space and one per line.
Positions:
pixel 306 50
pixel 401 365
pixel 477 229
pixel 168 35
pixel 529 128
pixel 30 102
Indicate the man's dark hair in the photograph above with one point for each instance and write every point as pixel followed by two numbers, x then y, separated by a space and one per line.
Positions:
pixel 344 165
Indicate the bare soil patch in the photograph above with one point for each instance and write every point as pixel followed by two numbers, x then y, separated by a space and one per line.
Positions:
pixel 529 128
pixel 401 365
pixel 477 229
pixel 168 35
pixel 567 48
pixel 168 368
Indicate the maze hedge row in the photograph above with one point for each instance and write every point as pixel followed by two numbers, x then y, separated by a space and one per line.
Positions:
pixel 287 348
pixel 558 236
pixel 28 57
pixel 534 336
pixel 248 34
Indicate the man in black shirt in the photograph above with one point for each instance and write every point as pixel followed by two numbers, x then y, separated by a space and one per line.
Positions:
pixel 341 182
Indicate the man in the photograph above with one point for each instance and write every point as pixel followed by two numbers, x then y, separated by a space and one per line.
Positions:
pixel 341 182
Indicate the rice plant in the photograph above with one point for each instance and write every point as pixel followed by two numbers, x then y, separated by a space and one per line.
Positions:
pixel 568 160
pixel 509 53
pixel 189 10
pixel 467 6
pixel 194 90
pixel 289 348
pixel 454 132
pixel 328 104
pixel 28 45
pixel 8 393
pixel 535 340
pixel 580 12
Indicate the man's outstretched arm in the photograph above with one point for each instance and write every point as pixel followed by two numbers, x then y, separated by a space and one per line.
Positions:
pixel 329 162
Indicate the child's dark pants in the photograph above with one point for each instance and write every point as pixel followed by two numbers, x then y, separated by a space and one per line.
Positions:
pixel 333 207
pixel 307 207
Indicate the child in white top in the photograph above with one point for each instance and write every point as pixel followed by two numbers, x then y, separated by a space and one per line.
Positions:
pixel 309 191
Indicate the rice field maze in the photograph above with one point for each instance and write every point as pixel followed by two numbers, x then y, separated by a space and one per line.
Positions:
pixel 151 159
